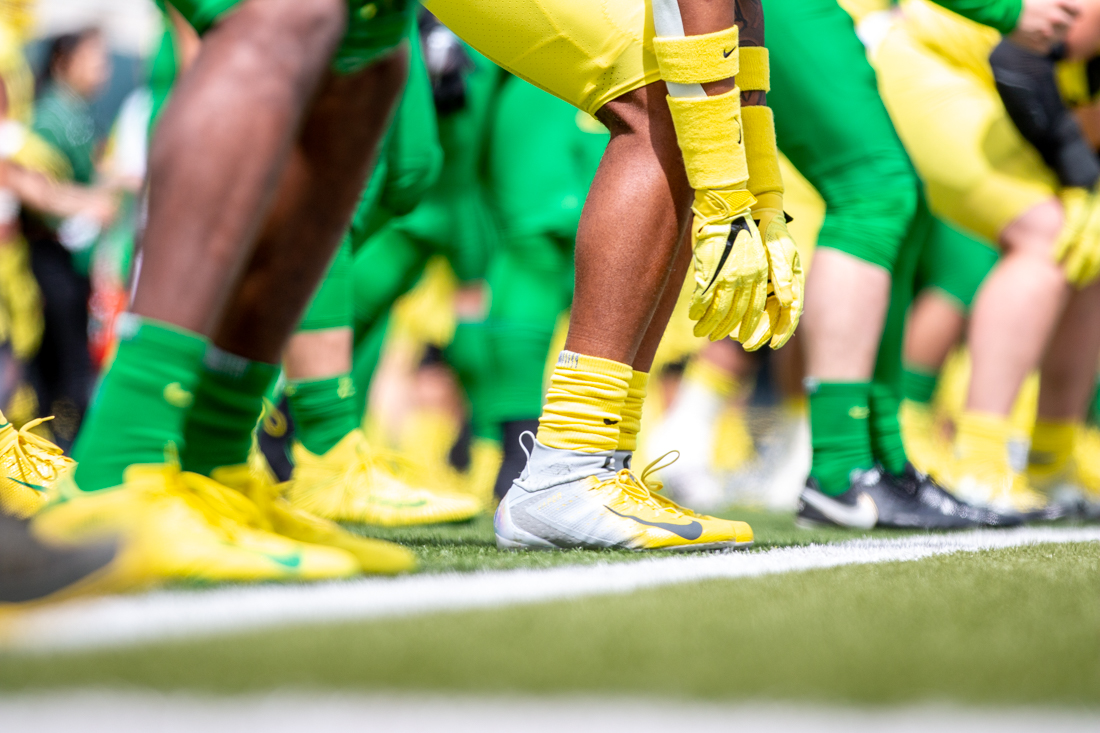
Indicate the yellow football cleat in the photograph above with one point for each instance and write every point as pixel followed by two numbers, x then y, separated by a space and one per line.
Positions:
pixel 269 510
pixel 996 486
pixel 1073 483
pixel 170 530
pixel 567 499
pixel 31 465
pixel 355 483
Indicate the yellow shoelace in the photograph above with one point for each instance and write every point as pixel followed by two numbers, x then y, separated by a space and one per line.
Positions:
pixel 26 444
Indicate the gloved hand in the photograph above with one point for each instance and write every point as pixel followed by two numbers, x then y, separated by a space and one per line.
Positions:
pixel 786 279
pixel 1078 246
pixel 731 266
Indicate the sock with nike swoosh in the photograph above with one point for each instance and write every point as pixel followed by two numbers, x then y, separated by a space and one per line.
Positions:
pixel 840 432
pixel 141 404
pixel 584 404
pixel 228 402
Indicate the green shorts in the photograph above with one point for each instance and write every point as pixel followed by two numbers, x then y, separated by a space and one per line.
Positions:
pixel 374 28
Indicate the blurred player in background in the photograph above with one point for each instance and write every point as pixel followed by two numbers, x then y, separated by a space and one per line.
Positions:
pixel 1035 308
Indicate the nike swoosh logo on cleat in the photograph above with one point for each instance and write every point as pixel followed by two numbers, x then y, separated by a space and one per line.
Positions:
pixel 36 487
pixel 863 515
pixel 291 561
pixel 690 531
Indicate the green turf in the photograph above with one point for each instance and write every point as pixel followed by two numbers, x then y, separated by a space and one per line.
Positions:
pixel 1017 626
pixel 471 546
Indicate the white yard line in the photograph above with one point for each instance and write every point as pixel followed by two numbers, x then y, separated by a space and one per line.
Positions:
pixel 124 620
pixel 95 711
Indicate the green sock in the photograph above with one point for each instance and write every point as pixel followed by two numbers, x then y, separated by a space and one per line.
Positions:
pixel 324 411
pixel 840 434
pixel 887 446
pixel 918 386
pixel 228 402
pixel 140 407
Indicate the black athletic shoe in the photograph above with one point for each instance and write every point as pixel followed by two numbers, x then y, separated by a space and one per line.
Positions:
pixel 932 494
pixel 874 499
pixel 30 570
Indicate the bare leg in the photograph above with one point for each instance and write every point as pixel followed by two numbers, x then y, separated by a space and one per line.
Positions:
pixel 1016 310
pixel 846 304
pixel 1069 367
pixel 244 98
pixel 936 324
pixel 317 197
pixel 318 354
pixel 637 212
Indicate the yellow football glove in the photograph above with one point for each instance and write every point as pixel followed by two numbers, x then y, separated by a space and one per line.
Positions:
pixel 731 266
pixel 786 278
pixel 1078 246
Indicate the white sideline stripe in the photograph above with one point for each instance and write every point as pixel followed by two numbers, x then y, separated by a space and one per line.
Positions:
pixel 125 620
pixel 105 711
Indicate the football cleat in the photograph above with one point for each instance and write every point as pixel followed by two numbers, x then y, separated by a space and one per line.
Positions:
pixel 930 493
pixel 572 499
pixel 874 499
pixel 32 570
pixel 997 486
pixel 257 501
pixel 175 526
pixel 356 483
pixel 1074 485
pixel 30 464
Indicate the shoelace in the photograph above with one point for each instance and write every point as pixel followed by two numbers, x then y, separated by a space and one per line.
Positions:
pixel 26 444
pixel 647 490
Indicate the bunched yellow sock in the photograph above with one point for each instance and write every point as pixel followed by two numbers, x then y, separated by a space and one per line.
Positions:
pixel 632 411
pixel 584 405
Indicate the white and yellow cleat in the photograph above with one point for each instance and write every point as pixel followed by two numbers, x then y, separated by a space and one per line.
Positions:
pixel 1075 482
pixel 572 499
pixel 174 527
pixel 997 486
pixel 356 483
pixel 30 464
pixel 259 502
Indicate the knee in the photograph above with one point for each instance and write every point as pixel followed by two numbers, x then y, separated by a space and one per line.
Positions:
pixel 1035 231
pixel 871 219
pixel 290 29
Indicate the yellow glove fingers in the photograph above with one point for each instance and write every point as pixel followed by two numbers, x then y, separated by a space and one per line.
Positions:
pixel 764 328
pixel 790 316
pixel 748 310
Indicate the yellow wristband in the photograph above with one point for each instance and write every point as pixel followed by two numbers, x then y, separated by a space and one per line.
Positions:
pixel 755 73
pixel 697 59
pixel 709 132
pixel 761 152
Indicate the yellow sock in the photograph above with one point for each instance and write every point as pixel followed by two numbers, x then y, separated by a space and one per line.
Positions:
pixel 983 437
pixel 707 374
pixel 584 404
pixel 1052 444
pixel 632 411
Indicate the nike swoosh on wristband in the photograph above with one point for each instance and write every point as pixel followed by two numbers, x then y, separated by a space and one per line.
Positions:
pixel 726 54
pixel 690 531
pixel 863 515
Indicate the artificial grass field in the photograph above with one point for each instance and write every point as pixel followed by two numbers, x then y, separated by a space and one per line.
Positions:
pixel 1015 626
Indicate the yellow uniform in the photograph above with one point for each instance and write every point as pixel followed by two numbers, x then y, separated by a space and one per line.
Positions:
pixel 587 52
pixel 935 79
